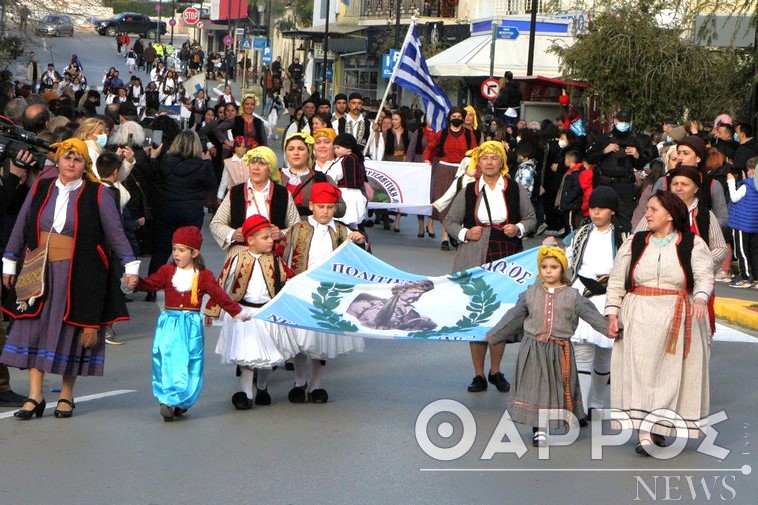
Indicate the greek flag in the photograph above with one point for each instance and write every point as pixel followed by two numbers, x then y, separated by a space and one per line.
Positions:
pixel 411 73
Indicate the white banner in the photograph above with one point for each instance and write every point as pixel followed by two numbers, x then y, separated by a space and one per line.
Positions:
pixel 400 185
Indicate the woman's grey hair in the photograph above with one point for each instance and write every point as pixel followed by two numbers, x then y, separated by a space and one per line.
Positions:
pixel 186 145
pixel 121 134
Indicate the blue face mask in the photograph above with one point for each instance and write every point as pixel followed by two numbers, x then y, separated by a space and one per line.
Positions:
pixel 578 128
pixel 102 139
pixel 736 137
pixel 623 127
pixel 669 140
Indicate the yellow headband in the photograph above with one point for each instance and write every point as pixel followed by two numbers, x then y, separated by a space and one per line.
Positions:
pixel 266 154
pixel 547 251
pixel 472 112
pixel 325 132
pixel 302 136
pixel 489 147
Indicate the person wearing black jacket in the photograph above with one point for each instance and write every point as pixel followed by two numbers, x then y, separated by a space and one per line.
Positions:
pixel 747 149
pixel 617 155
pixel 186 176
pixel 509 97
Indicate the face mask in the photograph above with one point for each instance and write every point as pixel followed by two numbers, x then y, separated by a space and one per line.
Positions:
pixel 623 127
pixel 518 139
pixel 736 137
pixel 456 122
pixel 493 129
pixel 102 139
pixel 669 140
pixel 563 144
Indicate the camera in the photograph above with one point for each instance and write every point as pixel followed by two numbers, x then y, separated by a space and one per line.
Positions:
pixel 14 139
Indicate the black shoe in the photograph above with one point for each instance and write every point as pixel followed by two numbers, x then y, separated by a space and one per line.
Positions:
pixel 454 243
pixel 64 414
pixel 262 397
pixel 445 245
pixel 297 394
pixel 241 401
pixel 539 439
pixel 640 449
pixel 179 412
pixel 11 399
pixel 151 297
pixel 289 366
pixel 658 440
pixel 498 380
pixel 25 415
pixel 318 396
pixel 477 385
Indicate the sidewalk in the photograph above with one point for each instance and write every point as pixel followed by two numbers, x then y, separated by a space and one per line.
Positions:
pixel 737 306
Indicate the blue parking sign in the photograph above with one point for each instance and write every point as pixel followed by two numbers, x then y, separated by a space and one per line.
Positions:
pixel 266 58
pixel 388 63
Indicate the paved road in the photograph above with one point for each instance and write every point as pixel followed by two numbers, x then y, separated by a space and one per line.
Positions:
pixel 360 447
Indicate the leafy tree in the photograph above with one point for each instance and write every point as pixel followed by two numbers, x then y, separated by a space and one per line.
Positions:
pixel 633 62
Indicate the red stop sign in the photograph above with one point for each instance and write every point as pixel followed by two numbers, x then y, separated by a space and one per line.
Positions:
pixel 191 15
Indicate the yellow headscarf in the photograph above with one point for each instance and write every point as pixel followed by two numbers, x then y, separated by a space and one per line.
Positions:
pixel 548 251
pixel 77 146
pixel 250 95
pixel 325 132
pixel 489 147
pixel 269 156
pixel 304 136
pixel 472 112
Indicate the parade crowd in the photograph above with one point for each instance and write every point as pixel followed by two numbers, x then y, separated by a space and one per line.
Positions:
pixel 637 227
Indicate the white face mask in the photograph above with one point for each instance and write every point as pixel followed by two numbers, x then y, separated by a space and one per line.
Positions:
pixel 102 139
pixel 562 144
pixel 518 139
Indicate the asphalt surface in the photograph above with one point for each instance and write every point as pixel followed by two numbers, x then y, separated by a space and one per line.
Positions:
pixel 360 447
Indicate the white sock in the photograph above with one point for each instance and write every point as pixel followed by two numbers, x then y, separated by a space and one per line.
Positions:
pixel 316 369
pixel 585 383
pixel 246 381
pixel 301 363
pixel 263 375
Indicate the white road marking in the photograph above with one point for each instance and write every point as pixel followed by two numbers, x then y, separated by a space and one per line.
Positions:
pixel 80 399
pixel 727 334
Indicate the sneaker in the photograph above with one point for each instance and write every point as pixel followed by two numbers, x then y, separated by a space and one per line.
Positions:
pixel 498 380
pixel 723 277
pixel 477 385
pixel 541 229
pixel 740 284
pixel 110 337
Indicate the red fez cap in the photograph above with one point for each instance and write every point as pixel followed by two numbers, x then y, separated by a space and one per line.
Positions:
pixel 323 192
pixel 253 224
pixel 189 236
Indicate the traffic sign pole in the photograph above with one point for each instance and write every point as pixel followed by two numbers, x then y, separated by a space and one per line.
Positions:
pixel 492 49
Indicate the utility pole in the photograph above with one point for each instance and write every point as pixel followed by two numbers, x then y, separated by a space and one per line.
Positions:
pixel 326 50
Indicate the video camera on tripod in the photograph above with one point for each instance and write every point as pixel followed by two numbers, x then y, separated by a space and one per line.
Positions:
pixel 14 140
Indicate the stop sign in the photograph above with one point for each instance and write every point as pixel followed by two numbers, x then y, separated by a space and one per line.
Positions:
pixel 191 15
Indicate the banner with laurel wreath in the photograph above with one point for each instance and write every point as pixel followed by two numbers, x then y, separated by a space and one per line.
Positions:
pixel 354 293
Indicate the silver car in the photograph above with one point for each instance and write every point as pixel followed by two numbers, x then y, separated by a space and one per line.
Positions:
pixel 57 25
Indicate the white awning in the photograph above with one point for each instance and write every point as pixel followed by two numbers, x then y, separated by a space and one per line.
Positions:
pixel 471 57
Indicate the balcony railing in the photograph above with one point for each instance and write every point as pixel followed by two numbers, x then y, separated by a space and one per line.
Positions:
pixel 387 9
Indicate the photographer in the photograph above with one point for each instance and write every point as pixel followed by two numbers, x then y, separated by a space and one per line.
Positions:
pixel 617 155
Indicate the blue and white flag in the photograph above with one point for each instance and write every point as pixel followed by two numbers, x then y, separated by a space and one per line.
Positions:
pixel 411 73
pixel 356 294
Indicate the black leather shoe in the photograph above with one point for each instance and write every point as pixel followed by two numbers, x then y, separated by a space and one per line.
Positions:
pixel 658 440
pixel 477 385
pixel 64 414
pixel 11 399
pixel 445 245
pixel 241 401
pixel 297 394
pixel 318 396
pixel 262 397
pixel 25 415
pixel 640 449
pixel 498 380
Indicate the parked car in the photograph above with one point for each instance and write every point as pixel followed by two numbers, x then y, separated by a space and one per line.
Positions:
pixel 129 22
pixel 57 25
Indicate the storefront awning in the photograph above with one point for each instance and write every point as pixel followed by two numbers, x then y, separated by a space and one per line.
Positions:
pixel 471 57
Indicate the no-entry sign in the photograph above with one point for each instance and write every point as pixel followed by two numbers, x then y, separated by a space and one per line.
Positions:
pixel 490 88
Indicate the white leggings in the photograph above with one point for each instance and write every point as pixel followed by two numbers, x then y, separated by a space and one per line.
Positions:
pixel 593 365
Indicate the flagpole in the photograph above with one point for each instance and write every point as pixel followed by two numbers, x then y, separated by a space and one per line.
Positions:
pixel 414 18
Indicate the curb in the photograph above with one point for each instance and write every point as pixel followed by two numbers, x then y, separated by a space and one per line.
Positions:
pixel 737 311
